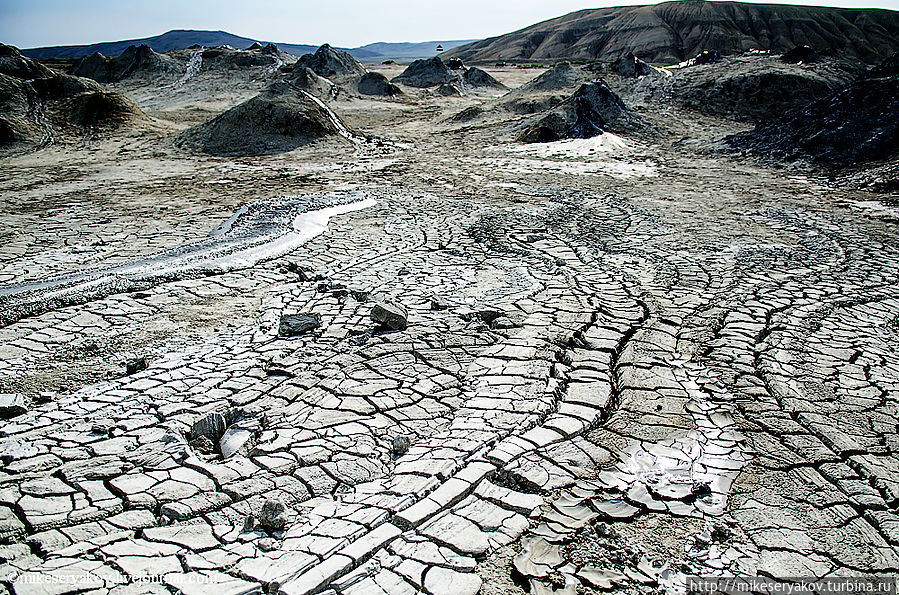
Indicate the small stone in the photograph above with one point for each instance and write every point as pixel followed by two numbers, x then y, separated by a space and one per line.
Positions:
pixel 136 365
pixel 267 544
pixel 438 303
pixel 503 322
pixel 11 405
pixel 103 426
pixel 273 515
pixel 293 325
pixel 401 444
pixel 390 315
pixel 211 426
pixel 202 444
pixel 249 523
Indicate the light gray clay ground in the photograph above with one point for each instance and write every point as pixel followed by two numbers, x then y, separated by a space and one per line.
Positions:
pixel 623 361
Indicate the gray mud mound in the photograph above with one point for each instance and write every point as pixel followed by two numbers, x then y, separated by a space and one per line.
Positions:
pixel 754 88
pixel 475 77
pixel 303 77
pixel 432 72
pixel 134 60
pixel 39 106
pixel 279 119
pixel 375 83
pixel 801 53
pixel 336 65
pixel 854 125
pixel 449 90
pixel 227 58
pixel 560 76
pixel 591 110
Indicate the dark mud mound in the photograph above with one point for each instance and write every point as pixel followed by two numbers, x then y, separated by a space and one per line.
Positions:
pixel 41 106
pixel 754 88
pixel 303 77
pixel 336 65
pixel 591 110
pixel 280 119
pixel 134 60
pixel 475 77
pixel 375 83
pixel 857 124
pixel 801 54
pixel 432 72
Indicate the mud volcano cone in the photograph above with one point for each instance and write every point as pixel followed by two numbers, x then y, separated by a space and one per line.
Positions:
pixel 277 120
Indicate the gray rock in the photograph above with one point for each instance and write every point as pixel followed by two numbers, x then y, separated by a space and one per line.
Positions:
pixel 400 445
pixel 211 426
pixel 293 325
pixel 390 315
pixel 202 444
pixel 12 404
pixel 273 515
pixel 234 441
pixel 136 365
pixel 503 322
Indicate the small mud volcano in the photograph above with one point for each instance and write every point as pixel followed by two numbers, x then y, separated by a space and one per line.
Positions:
pixel 134 60
pixel 590 111
pixel 336 65
pixel 432 72
pixel 475 77
pixel 100 110
pixel 279 119
pixel 303 77
pixel 375 83
pixel 560 76
pixel 857 124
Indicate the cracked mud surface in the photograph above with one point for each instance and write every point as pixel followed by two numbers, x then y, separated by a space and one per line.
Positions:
pixel 624 363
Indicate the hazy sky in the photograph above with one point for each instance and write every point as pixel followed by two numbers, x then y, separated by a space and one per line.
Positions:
pixel 347 23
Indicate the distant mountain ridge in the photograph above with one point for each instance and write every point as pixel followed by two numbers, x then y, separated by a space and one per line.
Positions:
pixel 184 38
pixel 674 31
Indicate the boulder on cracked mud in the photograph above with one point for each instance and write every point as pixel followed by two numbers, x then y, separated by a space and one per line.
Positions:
pixel 390 315
pixel 11 405
pixel 293 325
pixel 273 515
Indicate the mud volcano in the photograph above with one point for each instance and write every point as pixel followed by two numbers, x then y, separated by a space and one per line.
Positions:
pixel 334 64
pixel 427 73
pixel 134 60
pixel 590 111
pixel 279 119
pixel 375 83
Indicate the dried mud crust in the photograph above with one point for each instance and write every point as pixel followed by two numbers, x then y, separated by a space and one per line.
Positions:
pixel 633 359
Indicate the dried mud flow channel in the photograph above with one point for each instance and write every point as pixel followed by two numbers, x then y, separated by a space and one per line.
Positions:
pixel 259 231
pixel 451 367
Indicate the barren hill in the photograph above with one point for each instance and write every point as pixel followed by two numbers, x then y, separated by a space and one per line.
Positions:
pixel 673 31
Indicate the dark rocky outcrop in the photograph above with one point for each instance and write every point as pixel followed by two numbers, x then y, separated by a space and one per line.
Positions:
pixel 427 73
pixel 279 119
pixel 672 32
pixel 336 65
pixel 375 83
pixel 590 111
